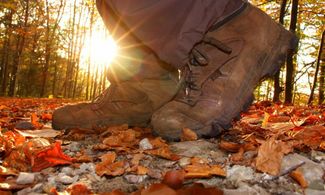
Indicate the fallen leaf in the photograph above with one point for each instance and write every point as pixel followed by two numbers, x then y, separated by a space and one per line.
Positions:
pixel 136 159
pixel 109 167
pixel 11 184
pixel 158 142
pixel 188 135
pixel 46 116
pixel 48 133
pixel 141 170
pixel 270 156
pixel 299 177
pixel 49 157
pixel 113 169
pixel 163 152
pixel 79 189
pixel 229 146
pixel 34 121
pixel 238 156
pixel 203 171
pixel 7 171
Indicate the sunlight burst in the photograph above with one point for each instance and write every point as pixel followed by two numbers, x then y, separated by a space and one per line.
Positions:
pixel 99 51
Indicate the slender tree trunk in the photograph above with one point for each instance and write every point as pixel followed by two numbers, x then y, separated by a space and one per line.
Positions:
pixel 290 57
pixel 5 55
pixel 277 88
pixel 88 90
pixel 17 57
pixel 311 97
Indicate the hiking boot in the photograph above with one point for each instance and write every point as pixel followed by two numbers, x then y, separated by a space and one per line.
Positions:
pixel 215 94
pixel 140 84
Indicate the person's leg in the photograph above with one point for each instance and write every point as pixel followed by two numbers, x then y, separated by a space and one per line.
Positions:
pixel 217 93
pixel 140 84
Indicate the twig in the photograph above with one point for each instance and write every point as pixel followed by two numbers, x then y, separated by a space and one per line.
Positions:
pixel 289 170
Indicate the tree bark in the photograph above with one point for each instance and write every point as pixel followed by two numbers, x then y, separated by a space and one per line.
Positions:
pixel 321 64
pixel 19 52
pixel 277 88
pixel 290 57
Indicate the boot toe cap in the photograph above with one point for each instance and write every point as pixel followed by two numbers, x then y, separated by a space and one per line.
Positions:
pixel 168 123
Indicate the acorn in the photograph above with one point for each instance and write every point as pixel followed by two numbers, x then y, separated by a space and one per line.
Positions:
pixel 174 179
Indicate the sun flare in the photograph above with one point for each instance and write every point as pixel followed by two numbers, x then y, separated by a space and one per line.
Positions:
pixel 99 50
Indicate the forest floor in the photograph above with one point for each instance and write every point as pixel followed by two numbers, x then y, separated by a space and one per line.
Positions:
pixel 272 149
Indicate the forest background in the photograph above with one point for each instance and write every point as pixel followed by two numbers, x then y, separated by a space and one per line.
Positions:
pixel 60 48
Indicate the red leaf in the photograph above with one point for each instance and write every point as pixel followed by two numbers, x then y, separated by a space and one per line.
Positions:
pixel 50 157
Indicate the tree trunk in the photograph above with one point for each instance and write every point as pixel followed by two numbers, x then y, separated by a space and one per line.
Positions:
pixel 88 90
pixel 277 88
pixel 5 55
pixel 19 52
pixel 290 57
pixel 321 58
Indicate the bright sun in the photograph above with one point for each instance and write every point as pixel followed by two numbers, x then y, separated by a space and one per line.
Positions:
pixel 101 49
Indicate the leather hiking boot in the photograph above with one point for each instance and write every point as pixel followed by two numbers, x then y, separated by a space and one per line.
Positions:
pixel 216 93
pixel 131 98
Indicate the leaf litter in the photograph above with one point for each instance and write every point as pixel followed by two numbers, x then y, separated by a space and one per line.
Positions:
pixel 75 162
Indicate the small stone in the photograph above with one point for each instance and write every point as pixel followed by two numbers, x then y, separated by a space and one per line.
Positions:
pixel 38 187
pixel 24 125
pixel 317 185
pixel 62 178
pixel 67 170
pixel 311 171
pixel 145 144
pixel 25 178
pixel 314 192
pixel 240 173
pixel 74 147
pixel 25 191
pixel 200 148
pixel 135 179
pixel 184 161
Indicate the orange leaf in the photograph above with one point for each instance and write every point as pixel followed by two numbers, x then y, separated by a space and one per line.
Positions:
pixel 270 156
pixel 109 167
pixel 188 135
pixel 142 170
pixel 79 189
pixel 49 157
pixel 158 142
pixel 163 152
pixel 203 171
pixel 46 116
pixel 34 121
pixel 113 169
pixel 299 177
pixel 229 146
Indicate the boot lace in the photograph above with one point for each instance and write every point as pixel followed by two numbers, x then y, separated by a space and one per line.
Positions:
pixel 192 71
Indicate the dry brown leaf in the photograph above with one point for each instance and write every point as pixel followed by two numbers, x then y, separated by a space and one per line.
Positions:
pixel 238 156
pixel 188 135
pixel 229 146
pixel 79 189
pixel 199 189
pixel 299 177
pixel 270 156
pixel 136 159
pixel 48 133
pixel 7 171
pixel 34 121
pixel 158 142
pixel 114 169
pixel 203 171
pixel 141 170
pixel 163 152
